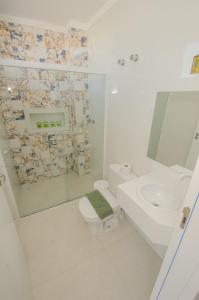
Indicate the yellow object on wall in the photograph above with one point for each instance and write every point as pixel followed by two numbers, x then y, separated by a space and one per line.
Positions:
pixel 195 65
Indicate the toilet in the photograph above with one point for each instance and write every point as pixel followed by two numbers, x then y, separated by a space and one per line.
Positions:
pixel 109 190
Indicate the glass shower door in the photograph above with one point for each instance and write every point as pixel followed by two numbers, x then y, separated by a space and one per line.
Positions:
pixel 54 124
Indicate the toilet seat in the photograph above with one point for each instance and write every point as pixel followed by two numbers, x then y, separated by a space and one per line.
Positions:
pixel 87 210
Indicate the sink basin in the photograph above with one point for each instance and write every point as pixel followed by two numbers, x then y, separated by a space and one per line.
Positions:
pixel 158 196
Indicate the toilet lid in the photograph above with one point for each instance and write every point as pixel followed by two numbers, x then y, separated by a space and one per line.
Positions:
pixel 87 210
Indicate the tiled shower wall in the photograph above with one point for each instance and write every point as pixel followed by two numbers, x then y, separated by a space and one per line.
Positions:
pixel 44 153
pixel 26 43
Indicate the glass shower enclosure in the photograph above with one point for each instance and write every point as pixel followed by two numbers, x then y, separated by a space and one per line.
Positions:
pixel 52 134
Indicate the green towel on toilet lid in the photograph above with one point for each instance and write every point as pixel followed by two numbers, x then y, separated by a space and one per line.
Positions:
pixel 99 203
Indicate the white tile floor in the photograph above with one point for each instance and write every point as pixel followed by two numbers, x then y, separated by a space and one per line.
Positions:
pixel 56 190
pixel 67 263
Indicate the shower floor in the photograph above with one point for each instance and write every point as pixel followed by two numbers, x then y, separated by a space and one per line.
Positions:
pixel 46 193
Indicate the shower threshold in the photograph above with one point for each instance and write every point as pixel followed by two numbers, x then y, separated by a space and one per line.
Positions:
pixel 49 192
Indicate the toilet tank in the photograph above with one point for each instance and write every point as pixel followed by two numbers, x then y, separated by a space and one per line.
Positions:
pixel 116 177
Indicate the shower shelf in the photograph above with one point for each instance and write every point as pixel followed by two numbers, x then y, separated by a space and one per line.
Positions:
pixel 50 120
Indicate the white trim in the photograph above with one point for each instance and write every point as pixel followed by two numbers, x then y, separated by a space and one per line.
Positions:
pixel 107 95
pixel 78 25
pixel 41 65
pixel 108 5
pixel 33 23
pixel 87 25
pixel 71 23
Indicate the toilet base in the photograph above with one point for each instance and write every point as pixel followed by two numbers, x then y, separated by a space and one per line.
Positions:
pixel 98 228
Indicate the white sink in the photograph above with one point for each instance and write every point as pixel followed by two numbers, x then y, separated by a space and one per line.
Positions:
pixel 158 196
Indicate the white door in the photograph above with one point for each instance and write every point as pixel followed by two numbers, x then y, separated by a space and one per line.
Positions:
pixel 191 290
pixel 194 150
pixel 182 257
pixel 14 281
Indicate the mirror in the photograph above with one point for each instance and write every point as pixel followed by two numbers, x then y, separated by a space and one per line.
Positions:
pixel 174 137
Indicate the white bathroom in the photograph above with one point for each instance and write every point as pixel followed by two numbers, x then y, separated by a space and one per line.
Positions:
pixel 99 145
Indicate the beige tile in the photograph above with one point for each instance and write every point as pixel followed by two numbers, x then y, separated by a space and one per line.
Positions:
pixel 67 262
pixel 136 262
pixel 94 278
pixel 56 240
pixel 59 259
pixel 119 232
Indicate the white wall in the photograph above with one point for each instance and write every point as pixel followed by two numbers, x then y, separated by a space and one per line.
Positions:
pixel 158 31
pixel 14 281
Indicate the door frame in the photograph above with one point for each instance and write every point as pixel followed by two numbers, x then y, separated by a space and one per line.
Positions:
pixel 176 258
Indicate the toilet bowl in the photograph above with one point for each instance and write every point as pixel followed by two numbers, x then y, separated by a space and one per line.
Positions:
pixel 108 189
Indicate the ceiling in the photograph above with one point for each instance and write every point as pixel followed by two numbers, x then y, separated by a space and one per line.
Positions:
pixel 57 12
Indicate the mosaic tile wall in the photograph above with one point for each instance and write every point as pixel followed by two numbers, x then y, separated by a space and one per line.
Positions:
pixel 21 42
pixel 45 153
